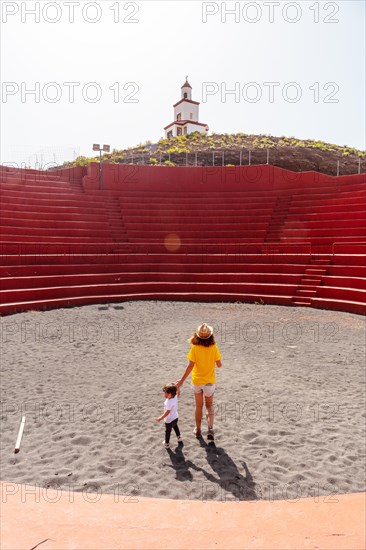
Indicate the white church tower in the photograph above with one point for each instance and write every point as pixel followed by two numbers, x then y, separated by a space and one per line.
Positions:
pixel 185 115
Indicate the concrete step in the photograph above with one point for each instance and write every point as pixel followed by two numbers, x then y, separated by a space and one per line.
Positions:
pixel 310 282
pixel 314 271
pixel 303 293
pixel 300 303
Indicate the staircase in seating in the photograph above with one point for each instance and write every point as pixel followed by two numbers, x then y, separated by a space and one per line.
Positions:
pixel 48 208
pixel 278 218
pixel 310 281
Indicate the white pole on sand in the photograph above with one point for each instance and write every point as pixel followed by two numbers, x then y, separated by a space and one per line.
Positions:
pixel 20 435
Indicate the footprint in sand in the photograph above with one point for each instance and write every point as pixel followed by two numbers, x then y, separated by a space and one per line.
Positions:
pixel 250 436
pixel 82 440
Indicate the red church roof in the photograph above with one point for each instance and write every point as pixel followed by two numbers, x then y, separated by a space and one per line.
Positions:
pixel 184 122
pixel 187 101
pixel 186 85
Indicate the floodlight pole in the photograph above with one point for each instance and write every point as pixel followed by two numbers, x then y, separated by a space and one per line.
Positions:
pixel 106 149
pixel 100 170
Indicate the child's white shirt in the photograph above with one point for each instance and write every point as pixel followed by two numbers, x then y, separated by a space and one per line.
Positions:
pixel 172 406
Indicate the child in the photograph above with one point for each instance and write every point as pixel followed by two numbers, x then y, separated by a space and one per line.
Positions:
pixel 170 415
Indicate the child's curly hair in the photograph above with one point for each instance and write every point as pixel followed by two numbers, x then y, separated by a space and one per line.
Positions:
pixel 171 388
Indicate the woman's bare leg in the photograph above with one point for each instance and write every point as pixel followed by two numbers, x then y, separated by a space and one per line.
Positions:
pixel 209 411
pixel 199 407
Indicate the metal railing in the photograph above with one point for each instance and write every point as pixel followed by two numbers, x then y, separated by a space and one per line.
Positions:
pixel 224 157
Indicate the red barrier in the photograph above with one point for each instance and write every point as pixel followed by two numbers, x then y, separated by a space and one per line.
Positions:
pixel 121 177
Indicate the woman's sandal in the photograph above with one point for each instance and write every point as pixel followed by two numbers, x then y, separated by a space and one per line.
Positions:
pixel 197 432
pixel 210 434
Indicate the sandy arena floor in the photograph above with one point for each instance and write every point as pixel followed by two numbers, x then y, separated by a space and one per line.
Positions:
pixel 290 401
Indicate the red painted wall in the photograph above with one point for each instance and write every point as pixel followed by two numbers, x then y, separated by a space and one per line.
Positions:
pixel 75 172
pixel 119 177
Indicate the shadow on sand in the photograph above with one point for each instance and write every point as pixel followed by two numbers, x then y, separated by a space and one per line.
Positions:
pixel 226 480
pixel 182 466
pixel 233 484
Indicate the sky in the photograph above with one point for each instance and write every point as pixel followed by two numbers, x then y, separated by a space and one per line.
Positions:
pixel 74 73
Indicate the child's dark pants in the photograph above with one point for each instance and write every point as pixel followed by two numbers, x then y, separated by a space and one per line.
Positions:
pixel 168 429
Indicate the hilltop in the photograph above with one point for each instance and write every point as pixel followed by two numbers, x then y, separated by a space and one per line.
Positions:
pixel 224 149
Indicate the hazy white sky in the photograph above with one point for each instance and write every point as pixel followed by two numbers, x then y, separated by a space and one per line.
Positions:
pixel 76 73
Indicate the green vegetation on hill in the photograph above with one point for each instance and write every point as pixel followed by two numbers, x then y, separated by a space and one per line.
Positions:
pixel 231 149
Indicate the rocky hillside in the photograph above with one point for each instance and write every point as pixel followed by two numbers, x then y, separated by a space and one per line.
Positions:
pixel 233 149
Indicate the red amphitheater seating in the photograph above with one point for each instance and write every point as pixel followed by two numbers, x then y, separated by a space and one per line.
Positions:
pixel 260 235
pixel 54 210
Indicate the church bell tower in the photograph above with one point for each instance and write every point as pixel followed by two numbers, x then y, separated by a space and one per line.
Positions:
pixel 186 115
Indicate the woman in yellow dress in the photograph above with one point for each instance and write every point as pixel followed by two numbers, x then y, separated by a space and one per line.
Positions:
pixel 203 357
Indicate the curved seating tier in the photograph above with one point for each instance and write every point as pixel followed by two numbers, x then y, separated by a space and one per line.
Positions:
pixel 64 243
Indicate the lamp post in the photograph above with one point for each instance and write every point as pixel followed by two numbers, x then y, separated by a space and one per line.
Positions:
pixel 105 149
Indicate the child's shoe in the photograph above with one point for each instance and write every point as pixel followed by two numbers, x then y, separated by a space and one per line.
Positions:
pixel 180 439
pixel 166 445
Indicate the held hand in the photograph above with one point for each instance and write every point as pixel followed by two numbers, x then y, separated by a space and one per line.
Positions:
pixel 179 383
pixel 157 420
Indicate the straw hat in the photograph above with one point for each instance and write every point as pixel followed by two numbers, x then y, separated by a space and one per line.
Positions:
pixel 204 331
